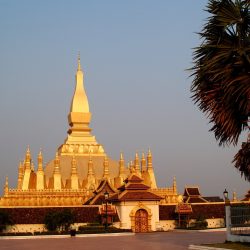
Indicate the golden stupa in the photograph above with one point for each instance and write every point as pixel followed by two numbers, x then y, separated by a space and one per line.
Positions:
pixel 80 164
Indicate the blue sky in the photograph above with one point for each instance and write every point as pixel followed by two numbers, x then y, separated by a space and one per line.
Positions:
pixel 134 55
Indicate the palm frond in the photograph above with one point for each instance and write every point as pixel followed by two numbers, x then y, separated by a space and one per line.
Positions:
pixel 242 160
pixel 221 71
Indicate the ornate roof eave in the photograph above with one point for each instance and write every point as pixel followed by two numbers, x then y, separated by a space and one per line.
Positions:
pixel 102 185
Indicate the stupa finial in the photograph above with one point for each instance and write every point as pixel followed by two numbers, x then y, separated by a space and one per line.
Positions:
pixel 79 62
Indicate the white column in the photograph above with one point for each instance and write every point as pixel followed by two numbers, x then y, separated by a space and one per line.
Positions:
pixel 228 219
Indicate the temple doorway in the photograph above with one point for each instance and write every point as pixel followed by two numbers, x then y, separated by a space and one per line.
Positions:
pixel 141 221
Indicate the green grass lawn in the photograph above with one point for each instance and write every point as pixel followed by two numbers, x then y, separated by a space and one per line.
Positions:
pixel 231 245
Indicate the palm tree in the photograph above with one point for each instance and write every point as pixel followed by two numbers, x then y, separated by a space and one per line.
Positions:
pixel 221 71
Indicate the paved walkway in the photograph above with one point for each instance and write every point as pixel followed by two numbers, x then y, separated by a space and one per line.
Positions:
pixel 149 241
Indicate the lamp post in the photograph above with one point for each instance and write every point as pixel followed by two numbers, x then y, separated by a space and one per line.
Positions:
pixel 227 214
pixel 225 193
pixel 106 196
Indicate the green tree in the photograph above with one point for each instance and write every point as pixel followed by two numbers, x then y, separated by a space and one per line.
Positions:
pixel 59 220
pixel 5 220
pixel 67 218
pixel 51 221
pixel 221 74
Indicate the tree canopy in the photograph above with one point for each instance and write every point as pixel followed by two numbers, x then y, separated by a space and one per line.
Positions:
pixel 221 73
pixel 59 220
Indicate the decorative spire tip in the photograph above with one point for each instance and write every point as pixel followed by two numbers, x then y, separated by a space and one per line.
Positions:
pixel 79 62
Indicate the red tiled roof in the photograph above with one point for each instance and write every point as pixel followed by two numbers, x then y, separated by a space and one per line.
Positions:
pixel 121 187
pixel 137 196
pixel 193 191
pixel 104 184
pixel 136 186
pixel 133 178
pixel 195 200
pixel 213 199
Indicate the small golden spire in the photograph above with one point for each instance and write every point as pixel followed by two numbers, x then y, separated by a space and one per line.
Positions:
pixel 40 161
pixel 121 156
pixel 20 168
pixel 174 185
pixel 149 152
pixel 137 163
pixel 28 151
pixel 6 186
pixel 121 165
pixel 234 196
pixel 56 164
pixel 40 152
pixel 27 158
pixel 90 166
pixel 32 166
pixel 143 163
pixel 6 181
pixel 73 165
pixel 132 167
pixel 106 167
pixel 149 159
pixel 20 176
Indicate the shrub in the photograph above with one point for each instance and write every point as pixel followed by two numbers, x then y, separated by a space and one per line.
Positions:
pixel 100 229
pixel 59 220
pixel 200 223
pixel 5 220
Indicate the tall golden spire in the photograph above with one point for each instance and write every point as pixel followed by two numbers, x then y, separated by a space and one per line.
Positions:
pixel 79 102
pixel 80 141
